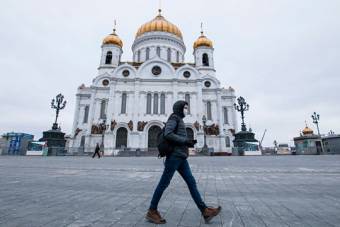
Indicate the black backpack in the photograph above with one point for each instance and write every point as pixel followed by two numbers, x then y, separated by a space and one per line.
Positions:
pixel 165 147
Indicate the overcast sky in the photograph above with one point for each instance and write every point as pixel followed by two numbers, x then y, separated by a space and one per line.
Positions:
pixel 283 56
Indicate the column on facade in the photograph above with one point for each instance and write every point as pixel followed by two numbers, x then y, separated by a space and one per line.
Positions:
pixel 168 102
pixel 234 116
pixel 171 101
pixel 142 104
pixel 110 107
pixel 76 115
pixel 142 111
pixel 200 112
pixel 175 92
pixel 116 103
pixel 92 110
pixel 81 114
pixel 113 101
pixel 193 104
pixel 200 103
pixel 136 107
pixel 219 111
pixel 96 112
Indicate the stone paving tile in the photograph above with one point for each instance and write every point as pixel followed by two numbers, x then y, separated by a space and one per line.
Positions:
pixel 253 191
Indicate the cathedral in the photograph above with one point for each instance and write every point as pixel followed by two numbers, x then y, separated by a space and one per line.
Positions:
pixel 128 103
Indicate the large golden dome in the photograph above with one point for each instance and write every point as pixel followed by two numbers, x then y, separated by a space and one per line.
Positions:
pixel 307 131
pixel 203 41
pixel 159 24
pixel 113 39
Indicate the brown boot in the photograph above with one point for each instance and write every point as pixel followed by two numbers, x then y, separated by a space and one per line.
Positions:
pixel 210 212
pixel 155 217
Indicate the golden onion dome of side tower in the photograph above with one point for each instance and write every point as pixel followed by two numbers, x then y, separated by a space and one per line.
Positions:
pixel 114 39
pixel 159 24
pixel 203 41
pixel 307 131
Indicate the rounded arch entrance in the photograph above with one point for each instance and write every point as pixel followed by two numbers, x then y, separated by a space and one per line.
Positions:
pixel 152 136
pixel 121 137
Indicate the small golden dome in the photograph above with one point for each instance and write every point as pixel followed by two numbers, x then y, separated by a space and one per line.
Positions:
pixel 113 39
pixel 159 24
pixel 307 131
pixel 203 41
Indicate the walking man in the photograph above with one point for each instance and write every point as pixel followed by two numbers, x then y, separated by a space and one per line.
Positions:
pixel 175 132
pixel 96 151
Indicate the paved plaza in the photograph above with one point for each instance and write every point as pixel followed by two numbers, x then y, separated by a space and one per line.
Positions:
pixel 253 191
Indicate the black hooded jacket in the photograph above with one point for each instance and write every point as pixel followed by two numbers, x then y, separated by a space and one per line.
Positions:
pixel 177 137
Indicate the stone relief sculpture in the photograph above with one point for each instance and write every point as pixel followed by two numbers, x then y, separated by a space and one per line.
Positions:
pixel 141 125
pixel 113 125
pixel 212 130
pixel 96 129
pixel 130 125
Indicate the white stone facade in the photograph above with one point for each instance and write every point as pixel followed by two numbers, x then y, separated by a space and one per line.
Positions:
pixel 121 90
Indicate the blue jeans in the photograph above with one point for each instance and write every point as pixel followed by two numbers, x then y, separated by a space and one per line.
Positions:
pixel 172 164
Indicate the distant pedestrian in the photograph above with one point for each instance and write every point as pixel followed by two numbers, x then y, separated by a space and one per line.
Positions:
pixel 96 151
pixel 175 133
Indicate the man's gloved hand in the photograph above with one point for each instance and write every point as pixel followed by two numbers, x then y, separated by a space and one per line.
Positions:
pixel 191 143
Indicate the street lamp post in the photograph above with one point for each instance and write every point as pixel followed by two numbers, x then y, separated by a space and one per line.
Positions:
pixel 242 107
pixel 205 146
pixel 58 104
pixel 316 118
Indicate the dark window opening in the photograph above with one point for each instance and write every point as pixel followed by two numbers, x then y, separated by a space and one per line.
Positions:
pixel 158 51
pixel 205 60
pixel 108 59
pixel 147 53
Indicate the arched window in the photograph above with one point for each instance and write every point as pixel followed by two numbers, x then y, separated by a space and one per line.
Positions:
pixel 162 103
pixel 187 99
pixel 123 107
pixel 138 56
pixel 103 109
pixel 209 110
pixel 158 50
pixel 108 58
pixel 155 103
pixel 227 141
pixel 177 56
pixel 148 103
pixel 205 59
pixel 86 114
pixel 225 114
pixel 147 53
pixel 169 55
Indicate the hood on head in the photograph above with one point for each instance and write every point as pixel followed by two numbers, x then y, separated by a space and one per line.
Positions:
pixel 178 108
